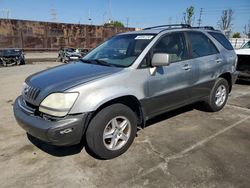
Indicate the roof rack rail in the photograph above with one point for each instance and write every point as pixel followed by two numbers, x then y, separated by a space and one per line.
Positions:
pixel 169 26
pixel 204 27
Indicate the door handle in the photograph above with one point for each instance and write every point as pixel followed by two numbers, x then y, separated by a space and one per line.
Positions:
pixel 186 67
pixel 218 60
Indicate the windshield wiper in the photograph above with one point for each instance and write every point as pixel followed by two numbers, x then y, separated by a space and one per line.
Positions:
pixel 85 61
pixel 96 61
pixel 100 62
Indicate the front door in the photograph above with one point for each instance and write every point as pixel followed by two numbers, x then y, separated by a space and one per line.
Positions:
pixel 168 86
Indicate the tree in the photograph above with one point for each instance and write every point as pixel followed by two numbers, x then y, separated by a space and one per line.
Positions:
pixel 188 15
pixel 113 23
pixel 247 29
pixel 236 35
pixel 225 22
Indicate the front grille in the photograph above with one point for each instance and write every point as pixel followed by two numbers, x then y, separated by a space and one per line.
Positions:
pixel 243 63
pixel 30 105
pixel 30 92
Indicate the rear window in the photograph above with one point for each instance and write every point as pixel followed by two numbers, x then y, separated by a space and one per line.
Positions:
pixel 222 40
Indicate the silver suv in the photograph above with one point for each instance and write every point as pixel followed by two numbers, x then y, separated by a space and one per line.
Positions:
pixel 132 77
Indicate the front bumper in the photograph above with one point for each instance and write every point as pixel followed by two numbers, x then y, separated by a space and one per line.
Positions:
pixel 61 132
pixel 74 58
pixel 244 75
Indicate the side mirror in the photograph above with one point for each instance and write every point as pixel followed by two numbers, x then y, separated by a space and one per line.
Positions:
pixel 160 59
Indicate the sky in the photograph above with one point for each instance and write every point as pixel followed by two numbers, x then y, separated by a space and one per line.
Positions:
pixel 134 13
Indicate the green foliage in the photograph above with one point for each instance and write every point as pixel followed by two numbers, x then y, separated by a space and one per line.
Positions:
pixel 114 23
pixel 236 35
pixel 188 15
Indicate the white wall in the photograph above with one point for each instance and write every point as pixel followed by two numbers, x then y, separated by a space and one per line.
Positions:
pixel 238 42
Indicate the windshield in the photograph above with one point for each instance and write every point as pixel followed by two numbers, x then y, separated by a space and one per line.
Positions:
pixel 120 50
pixel 70 50
pixel 247 45
pixel 10 52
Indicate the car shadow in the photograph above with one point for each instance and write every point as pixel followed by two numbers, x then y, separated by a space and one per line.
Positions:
pixel 57 151
pixel 243 82
pixel 170 114
pixel 61 151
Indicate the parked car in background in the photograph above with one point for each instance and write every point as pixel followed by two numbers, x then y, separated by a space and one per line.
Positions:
pixel 9 57
pixel 83 51
pixel 105 96
pixel 67 55
pixel 243 66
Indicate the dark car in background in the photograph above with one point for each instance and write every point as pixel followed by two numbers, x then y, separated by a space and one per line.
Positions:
pixel 9 57
pixel 67 55
pixel 83 51
pixel 243 66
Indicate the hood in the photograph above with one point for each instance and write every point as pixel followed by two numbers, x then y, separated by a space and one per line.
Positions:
pixel 243 51
pixel 66 76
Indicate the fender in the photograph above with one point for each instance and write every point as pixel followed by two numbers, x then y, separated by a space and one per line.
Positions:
pixel 91 101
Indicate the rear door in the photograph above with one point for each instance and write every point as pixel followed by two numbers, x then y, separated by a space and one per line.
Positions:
pixel 207 61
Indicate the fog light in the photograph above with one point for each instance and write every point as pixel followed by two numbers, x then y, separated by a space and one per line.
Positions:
pixel 66 131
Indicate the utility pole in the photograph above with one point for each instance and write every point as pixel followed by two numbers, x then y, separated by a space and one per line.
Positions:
pixel 127 21
pixel 104 20
pixel 169 20
pixel 89 18
pixel 53 14
pixel 110 13
pixel 6 13
pixel 199 20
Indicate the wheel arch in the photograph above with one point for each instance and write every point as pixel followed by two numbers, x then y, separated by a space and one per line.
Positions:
pixel 228 77
pixel 129 100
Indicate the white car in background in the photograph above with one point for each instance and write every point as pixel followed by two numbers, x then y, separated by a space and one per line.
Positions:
pixel 243 66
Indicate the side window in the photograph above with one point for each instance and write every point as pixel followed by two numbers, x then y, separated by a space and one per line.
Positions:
pixel 201 45
pixel 222 40
pixel 174 45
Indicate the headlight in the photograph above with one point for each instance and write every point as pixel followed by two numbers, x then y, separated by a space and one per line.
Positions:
pixel 58 104
pixel 24 86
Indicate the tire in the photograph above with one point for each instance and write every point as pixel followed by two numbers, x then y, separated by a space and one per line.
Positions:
pixel 218 96
pixel 107 122
pixel 22 62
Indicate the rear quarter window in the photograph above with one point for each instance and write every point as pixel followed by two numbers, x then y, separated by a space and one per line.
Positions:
pixel 222 40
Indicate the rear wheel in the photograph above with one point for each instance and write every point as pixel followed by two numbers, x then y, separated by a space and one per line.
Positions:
pixel 218 95
pixel 111 131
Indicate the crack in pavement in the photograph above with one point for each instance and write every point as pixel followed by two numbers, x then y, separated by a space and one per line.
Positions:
pixel 164 165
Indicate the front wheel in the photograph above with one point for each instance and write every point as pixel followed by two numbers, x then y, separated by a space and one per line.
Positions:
pixel 111 131
pixel 218 95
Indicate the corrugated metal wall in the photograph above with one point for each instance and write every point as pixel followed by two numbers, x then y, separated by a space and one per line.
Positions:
pixel 47 35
